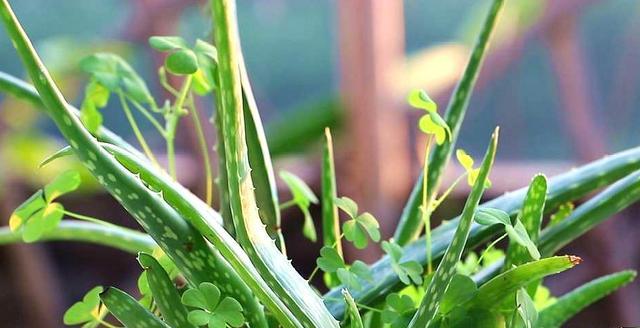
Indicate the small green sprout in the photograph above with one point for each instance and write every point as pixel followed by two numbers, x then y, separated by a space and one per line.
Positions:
pixel 330 262
pixel 430 123
pixel 211 311
pixel 398 310
pixel 517 232
pixel 40 214
pixel 87 311
pixel 359 226
pixel 96 97
pixel 408 271
pixel 303 197
pixel 466 162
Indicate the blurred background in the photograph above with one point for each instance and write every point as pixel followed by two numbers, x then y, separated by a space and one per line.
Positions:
pixel 561 80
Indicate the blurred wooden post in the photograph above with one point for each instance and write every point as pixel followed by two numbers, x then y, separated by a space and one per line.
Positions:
pixel 371 36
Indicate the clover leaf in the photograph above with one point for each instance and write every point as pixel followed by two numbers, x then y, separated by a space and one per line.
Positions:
pixel 407 271
pixel 85 311
pixel 303 197
pixel 460 290
pixel 431 122
pixel 359 226
pixel 516 231
pixel 330 261
pixel 115 74
pixel 96 97
pixel 211 310
pixel 466 162
pixel 39 214
pixel 398 311
pixel 200 61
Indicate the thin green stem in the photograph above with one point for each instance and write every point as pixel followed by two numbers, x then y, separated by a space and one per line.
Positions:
pixel 136 129
pixel 173 117
pixel 447 192
pixel 287 204
pixel 89 219
pixel 204 150
pixel 162 76
pixel 490 247
pixel 426 207
pixel 148 115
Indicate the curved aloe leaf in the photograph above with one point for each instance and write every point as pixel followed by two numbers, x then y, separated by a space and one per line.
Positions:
pixel 531 217
pixel 447 267
pixel 599 208
pixel 23 90
pixel 184 245
pixel 497 289
pixel 121 238
pixel 330 219
pixel 128 311
pixel 410 223
pixel 164 292
pixel 260 161
pixel 573 302
pixel 563 188
pixel 294 290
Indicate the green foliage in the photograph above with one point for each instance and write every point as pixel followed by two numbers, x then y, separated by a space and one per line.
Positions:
pixel 361 226
pixel 87 311
pixel 39 214
pixel 231 262
pixel 349 275
pixel 211 309
pixel 408 271
pixel 303 197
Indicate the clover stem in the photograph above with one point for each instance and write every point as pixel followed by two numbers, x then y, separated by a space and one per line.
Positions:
pixel 315 270
pixel 447 192
pixel 204 150
pixel 426 210
pixel 287 204
pixel 491 246
pixel 136 129
pixel 88 218
pixel 366 307
pixel 147 115
pixel 172 119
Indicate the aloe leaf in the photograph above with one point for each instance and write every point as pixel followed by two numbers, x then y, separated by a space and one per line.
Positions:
pixel 260 162
pixel 184 245
pixel 497 289
pixel 563 188
pixel 531 217
pixel 128 311
pixel 121 238
pixel 447 267
pixel 164 292
pixel 208 223
pixel 294 290
pixel 599 208
pixel 330 219
pixel 23 90
pixel 556 314
pixel 410 223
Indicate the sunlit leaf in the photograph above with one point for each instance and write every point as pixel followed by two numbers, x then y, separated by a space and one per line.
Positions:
pixel 66 182
pixel 86 310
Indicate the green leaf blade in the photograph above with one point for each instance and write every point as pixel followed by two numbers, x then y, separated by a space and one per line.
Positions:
pixel 128 311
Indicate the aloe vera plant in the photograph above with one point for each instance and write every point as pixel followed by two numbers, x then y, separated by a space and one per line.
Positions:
pixel 233 260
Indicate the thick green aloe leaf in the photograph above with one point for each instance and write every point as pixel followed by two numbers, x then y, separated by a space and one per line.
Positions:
pixel 184 245
pixel 563 188
pixel 447 267
pixel 556 314
pixel 502 286
pixel 128 311
pixel 121 238
pixel 294 290
pixel 410 223
pixel 164 292
pixel 260 161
